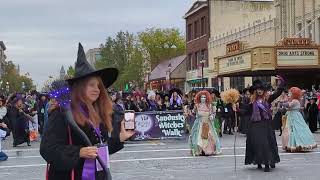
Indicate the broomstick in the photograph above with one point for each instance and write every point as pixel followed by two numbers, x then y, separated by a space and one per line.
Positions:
pixel 235 141
pixel 87 142
pixel 232 96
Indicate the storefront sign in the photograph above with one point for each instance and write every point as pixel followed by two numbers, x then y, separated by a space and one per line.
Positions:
pixel 159 124
pixel 297 57
pixel 235 63
pixel 296 42
pixel 233 47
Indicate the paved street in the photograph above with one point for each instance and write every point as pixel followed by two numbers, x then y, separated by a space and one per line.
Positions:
pixel 170 159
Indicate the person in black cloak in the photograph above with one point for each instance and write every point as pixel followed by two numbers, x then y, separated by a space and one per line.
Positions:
pixel 261 143
pixel 244 106
pixel 42 103
pixel 19 122
pixel 89 117
pixel 312 110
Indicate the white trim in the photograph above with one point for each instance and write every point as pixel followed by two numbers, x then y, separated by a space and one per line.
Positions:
pixel 194 11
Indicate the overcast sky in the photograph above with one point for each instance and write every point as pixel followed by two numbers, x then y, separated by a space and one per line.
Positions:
pixel 42 35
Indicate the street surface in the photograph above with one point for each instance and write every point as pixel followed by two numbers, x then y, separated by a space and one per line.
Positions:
pixel 170 159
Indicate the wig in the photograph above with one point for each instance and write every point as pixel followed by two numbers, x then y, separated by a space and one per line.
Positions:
pixel 207 94
pixel 230 96
pixel 296 93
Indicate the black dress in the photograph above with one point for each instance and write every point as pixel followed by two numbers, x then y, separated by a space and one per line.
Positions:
pixel 61 156
pixel 244 117
pixel 19 124
pixel 312 116
pixel 261 143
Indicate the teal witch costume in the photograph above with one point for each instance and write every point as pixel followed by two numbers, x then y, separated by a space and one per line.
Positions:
pixel 297 135
pixel 204 139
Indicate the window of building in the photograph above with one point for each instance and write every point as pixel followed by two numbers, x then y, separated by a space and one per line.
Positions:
pixel 299 27
pixel 309 29
pixel 189 62
pixel 196 33
pixel 197 59
pixel 203 26
pixel 189 32
pixel 193 62
pixel 237 83
pixel 204 55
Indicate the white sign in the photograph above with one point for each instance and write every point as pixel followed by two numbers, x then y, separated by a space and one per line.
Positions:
pixel 235 63
pixel 297 57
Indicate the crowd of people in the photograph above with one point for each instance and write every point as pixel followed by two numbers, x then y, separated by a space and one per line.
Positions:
pixel 80 124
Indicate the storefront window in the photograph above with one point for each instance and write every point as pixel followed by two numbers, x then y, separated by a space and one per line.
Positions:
pixel 265 79
pixel 237 83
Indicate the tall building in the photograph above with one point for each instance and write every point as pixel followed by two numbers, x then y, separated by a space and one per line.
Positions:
pixel 2 57
pixel 235 28
pixel 197 37
pixel 93 55
pixel 62 73
pixel 263 39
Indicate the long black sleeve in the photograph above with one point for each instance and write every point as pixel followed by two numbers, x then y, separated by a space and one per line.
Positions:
pixel 275 95
pixel 55 148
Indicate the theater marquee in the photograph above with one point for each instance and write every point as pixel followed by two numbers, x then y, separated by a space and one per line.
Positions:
pixel 235 63
pixel 297 57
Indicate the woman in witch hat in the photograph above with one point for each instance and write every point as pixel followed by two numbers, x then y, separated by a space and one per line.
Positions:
pixel 261 143
pixel 76 138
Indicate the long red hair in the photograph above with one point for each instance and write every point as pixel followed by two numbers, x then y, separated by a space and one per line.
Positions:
pixel 99 111
pixel 207 94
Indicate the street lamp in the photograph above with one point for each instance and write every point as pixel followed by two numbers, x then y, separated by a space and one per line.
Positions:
pixel 7 87
pixel 169 78
pixel 202 61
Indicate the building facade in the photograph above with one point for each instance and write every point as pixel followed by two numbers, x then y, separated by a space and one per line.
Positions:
pixel 93 55
pixel 298 18
pixel 2 57
pixel 197 37
pixel 249 24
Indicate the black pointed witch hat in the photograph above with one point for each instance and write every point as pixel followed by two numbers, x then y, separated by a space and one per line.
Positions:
pixel 258 84
pixel 83 69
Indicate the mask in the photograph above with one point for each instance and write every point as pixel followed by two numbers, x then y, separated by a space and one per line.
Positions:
pixel 203 99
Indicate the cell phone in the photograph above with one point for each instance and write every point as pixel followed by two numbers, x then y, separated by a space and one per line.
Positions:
pixel 129 120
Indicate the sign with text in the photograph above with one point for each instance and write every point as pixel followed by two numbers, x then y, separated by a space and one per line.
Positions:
pixel 296 42
pixel 297 57
pixel 235 63
pixel 233 47
pixel 159 124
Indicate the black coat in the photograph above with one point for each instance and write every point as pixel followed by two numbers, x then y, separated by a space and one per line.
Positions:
pixel 63 157
pixel 313 111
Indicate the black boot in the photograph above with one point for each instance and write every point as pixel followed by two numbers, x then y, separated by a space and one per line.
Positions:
pixel 259 166
pixel 266 168
pixel 273 166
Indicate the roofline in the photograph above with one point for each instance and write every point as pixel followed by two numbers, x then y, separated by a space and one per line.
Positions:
pixel 195 10
pixel 2 45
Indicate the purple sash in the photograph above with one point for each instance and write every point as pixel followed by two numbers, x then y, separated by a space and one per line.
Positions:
pixel 91 165
pixel 257 115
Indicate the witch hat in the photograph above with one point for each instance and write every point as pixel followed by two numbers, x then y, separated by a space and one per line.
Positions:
pixel 83 69
pixel 257 84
